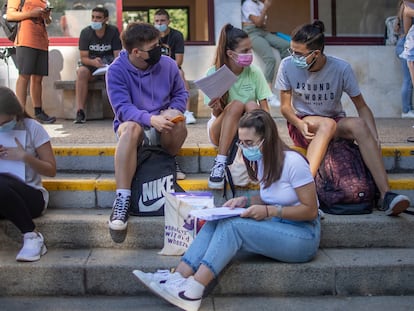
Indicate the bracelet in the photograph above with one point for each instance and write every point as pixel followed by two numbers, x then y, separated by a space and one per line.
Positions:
pixel 267 211
pixel 279 211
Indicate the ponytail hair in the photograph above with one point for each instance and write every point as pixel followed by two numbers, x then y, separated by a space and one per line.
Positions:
pixel 312 35
pixel 229 39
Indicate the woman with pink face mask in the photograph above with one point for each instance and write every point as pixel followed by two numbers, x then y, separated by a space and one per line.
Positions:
pixel 248 93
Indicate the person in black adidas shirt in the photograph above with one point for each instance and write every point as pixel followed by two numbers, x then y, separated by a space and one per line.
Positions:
pixel 99 45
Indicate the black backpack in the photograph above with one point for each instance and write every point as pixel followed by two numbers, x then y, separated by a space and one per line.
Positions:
pixel 155 175
pixel 9 28
pixel 343 182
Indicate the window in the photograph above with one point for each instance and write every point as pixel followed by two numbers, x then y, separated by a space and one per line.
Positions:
pixel 179 18
pixel 195 18
pixel 355 21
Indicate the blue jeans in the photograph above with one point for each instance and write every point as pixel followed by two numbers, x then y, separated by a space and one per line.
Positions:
pixel 407 85
pixel 282 240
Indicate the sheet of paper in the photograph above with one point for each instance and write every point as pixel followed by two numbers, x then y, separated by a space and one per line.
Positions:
pixel 218 83
pixel 15 168
pixel 216 213
pixel 100 71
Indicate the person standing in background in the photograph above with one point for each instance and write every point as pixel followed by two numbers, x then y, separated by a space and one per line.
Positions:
pixel 254 18
pixel 407 85
pixel 32 57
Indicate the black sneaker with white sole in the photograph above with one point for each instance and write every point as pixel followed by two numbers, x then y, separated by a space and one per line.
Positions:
pixel 43 118
pixel 394 204
pixel 216 179
pixel 120 213
pixel 80 117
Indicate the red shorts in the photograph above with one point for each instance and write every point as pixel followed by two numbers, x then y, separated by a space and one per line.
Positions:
pixel 297 137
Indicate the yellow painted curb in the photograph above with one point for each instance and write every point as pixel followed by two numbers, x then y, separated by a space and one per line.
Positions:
pixel 69 184
pixel 401 184
pixel 84 151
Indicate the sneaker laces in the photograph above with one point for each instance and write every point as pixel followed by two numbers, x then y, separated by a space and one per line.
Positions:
pixel 120 211
pixel 218 169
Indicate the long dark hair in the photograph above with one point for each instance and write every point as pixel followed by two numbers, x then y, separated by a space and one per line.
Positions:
pixel 229 39
pixel 272 148
pixel 312 35
pixel 10 105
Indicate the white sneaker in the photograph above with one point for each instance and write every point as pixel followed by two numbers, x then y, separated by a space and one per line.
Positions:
pixel 183 293
pixel 189 117
pixel 409 114
pixel 159 277
pixel 179 172
pixel 273 101
pixel 33 247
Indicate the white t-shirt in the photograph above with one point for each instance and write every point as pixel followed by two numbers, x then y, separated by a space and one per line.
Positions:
pixel 250 7
pixel 36 136
pixel 296 173
pixel 318 93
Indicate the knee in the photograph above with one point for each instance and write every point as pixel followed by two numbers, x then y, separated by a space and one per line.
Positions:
pixel 359 128
pixel 131 133
pixel 327 127
pixel 83 73
pixel 235 108
pixel 250 106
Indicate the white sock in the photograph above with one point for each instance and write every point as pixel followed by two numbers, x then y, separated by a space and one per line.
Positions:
pixel 221 158
pixel 123 192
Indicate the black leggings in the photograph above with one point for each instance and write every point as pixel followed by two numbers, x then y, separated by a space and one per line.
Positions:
pixel 20 203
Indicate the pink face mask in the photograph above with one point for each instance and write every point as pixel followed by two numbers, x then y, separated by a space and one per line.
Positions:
pixel 244 60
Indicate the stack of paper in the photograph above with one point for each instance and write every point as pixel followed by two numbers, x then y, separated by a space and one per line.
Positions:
pixel 216 213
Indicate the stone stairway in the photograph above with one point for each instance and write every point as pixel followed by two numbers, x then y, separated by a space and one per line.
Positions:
pixel 366 255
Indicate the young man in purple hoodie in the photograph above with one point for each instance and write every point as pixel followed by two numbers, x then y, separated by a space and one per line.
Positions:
pixel 146 93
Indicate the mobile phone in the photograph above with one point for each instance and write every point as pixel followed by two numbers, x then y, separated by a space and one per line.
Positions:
pixel 178 118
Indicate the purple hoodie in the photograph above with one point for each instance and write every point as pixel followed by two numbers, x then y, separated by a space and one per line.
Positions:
pixel 136 95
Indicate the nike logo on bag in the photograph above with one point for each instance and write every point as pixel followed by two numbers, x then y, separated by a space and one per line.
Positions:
pixel 154 191
pixel 183 296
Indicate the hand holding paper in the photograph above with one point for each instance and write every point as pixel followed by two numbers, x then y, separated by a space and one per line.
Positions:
pixel 218 83
pixel 216 213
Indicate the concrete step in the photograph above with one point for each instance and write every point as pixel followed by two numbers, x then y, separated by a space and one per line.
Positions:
pixel 215 303
pixel 82 228
pixel 334 272
pixel 89 190
pixel 197 158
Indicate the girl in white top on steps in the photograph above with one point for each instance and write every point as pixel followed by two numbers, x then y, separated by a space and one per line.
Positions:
pixel 23 197
pixel 281 223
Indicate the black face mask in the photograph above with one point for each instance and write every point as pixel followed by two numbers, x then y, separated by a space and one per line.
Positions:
pixel 154 56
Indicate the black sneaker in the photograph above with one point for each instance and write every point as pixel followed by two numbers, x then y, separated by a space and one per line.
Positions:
pixel 80 117
pixel 179 172
pixel 394 204
pixel 120 213
pixel 216 179
pixel 42 117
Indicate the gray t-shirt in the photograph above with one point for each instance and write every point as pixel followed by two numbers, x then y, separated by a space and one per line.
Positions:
pixel 318 93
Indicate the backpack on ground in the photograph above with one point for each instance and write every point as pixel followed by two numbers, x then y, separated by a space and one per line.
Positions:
pixel 155 175
pixel 391 37
pixel 343 182
pixel 10 28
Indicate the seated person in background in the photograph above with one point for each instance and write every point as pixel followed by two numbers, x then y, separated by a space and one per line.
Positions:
pixel 22 200
pixel 254 18
pixel 172 44
pixel 99 45
pixel 146 91
pixel 249 92
pixel 281 223
pixel 311 86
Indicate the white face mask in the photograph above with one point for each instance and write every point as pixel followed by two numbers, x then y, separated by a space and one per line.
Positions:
pixel 96 25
